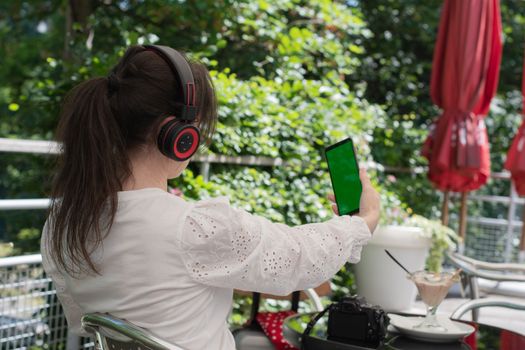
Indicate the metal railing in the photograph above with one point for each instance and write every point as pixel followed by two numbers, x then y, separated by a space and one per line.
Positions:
pixel 30 313
pixel 496 239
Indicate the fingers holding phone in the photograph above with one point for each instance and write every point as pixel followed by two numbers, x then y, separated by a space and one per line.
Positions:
pixel 331 198
pixel 370 202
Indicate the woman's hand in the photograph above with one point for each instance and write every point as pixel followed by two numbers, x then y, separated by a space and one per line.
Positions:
pixel 331 198
pixel 369 204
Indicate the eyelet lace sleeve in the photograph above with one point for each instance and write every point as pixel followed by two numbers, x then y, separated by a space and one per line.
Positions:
pixel 230 248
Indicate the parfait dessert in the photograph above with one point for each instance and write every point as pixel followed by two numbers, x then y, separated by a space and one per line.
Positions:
pixel 433 288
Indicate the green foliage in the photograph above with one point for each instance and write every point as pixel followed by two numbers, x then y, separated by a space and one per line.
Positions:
pixel 343 284
pixel 6 249
pixel 396 66
pixel 443 239
pixel 28 238
pixel 416 191
pixel 195 186
pixel 513 21
pixel 505 118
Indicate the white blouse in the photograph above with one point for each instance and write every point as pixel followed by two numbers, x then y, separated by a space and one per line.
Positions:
pixel 170 266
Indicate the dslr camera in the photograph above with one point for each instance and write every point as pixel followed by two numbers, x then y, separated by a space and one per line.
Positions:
pixel 353 321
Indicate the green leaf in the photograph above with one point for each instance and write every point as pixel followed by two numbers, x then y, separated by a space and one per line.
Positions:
pixel 13 107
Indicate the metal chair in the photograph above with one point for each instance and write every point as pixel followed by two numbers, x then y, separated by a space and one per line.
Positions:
pixel 478 303
pixel 112 333
pixel 473 269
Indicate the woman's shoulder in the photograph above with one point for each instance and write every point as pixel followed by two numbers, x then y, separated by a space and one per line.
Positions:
pixel 145 193
pixel 157 194
pixel 221 202
pixel 149 200
pixel 210 214
pixel 166 203
pixel 210 210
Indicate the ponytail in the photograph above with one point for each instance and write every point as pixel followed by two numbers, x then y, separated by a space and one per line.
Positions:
pixel 90 172
pixel 101 121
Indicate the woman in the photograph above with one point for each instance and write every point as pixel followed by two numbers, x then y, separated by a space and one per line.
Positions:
pixel 116 241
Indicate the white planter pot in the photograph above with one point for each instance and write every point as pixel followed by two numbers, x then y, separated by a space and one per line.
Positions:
pixel 379 279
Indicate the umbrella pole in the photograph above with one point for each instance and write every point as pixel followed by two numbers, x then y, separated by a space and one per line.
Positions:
pixel 444 209
pixel 463 220
pixel 522 241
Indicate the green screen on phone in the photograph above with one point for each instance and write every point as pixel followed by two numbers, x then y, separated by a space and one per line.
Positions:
pixel 344 172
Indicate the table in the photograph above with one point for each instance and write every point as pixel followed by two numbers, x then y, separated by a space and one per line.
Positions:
pixel 486 337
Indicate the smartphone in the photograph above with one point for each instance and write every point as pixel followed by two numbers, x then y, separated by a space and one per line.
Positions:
pixel 344 173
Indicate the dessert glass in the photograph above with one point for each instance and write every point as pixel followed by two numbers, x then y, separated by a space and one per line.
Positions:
pixel 433 288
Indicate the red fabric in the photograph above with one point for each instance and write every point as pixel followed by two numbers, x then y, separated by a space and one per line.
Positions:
pixel 465 74
pixel 511 341
pixel 515 162
pixel 272 325
pixel 471 339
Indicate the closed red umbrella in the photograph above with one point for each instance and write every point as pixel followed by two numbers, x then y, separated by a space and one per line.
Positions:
pixel 515 162
pixel 464 79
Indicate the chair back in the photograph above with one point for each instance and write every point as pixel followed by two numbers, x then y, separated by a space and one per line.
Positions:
pixel 112 333
pixel 500 272
pixel 479 303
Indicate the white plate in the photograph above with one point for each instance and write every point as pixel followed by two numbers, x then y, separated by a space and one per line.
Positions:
pixel 455 330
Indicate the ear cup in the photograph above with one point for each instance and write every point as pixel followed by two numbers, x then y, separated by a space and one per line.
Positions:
pixel 178 140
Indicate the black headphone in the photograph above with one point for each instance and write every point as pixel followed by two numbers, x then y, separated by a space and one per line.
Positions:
pixel 178 139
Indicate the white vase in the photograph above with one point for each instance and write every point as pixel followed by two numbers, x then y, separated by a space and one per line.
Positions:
pixel 379 279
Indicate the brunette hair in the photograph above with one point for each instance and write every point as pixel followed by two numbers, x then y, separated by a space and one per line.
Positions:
pixel 101 121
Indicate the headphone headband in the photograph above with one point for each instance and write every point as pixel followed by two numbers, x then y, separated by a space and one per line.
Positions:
pixel 184 76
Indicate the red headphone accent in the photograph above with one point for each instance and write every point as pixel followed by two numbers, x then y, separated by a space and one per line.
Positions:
pixel 191 134
pixel 188 84
pixel 178 140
